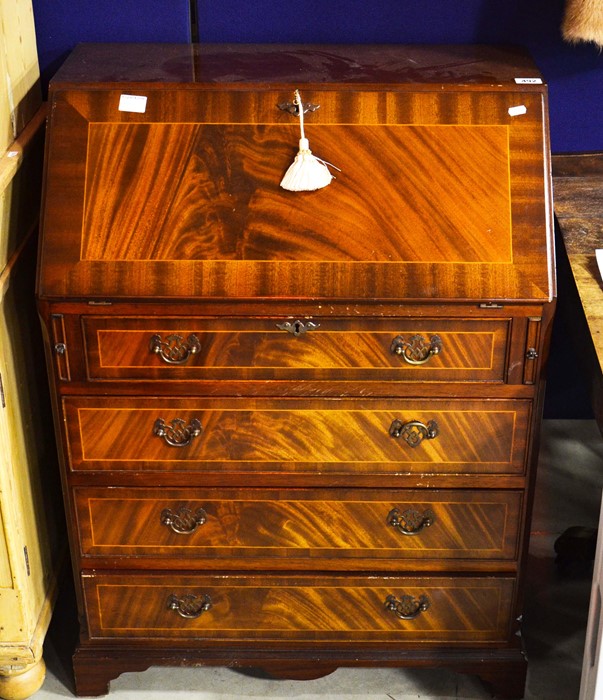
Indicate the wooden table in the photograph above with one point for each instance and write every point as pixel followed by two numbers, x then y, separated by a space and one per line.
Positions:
pixel 578 195
pixel 578 188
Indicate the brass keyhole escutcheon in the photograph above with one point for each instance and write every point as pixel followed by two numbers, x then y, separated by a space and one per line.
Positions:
pixel 297 327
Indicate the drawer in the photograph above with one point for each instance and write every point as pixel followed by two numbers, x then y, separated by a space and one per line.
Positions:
pixel 182 349
pixel 314 609
pixel 348 436
pixel 254 525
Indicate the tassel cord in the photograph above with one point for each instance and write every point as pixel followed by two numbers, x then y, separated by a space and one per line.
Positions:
pixel 300 107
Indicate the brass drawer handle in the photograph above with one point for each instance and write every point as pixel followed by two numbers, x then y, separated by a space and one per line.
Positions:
pixel 177 433
pixel 407 607
pixel 410 522
pixel 298 327
pixel 189 605
pixel 183 521
pixel 416 350
pixel 174 349
pixel 413 432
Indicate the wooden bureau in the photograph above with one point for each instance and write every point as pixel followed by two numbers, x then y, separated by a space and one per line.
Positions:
pixel 299 429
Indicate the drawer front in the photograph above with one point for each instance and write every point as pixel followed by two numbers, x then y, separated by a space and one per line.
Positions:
pixel 293 348
pixel 297 435
pixel 257 524
pixel 338 608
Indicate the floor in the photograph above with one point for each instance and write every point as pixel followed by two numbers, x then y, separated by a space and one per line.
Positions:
pixel 568 493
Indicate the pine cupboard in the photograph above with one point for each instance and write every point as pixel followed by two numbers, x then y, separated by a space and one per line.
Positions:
pixel 298 430
pixel 30 510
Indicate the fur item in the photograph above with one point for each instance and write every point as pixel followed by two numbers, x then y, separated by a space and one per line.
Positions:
pixel 583 21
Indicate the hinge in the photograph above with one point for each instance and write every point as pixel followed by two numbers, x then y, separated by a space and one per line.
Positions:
pixel 533 331
pixel 26 553
pixel 2 392
pixel 57 323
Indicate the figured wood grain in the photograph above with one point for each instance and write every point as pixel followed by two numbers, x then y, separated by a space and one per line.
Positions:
pixel 325 435
pixel 222 227
pixel 221 199
pixel 253 524
pixel 471 350
pixel 339 609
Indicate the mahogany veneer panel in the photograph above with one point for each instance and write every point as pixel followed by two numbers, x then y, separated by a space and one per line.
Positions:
pixel 326 435
pixel 471 350
pixel 343 609
pixel 214 221
pixel 187 211
pixel 250 524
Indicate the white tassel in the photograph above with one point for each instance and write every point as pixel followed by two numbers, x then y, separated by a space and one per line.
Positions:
pixel 307 172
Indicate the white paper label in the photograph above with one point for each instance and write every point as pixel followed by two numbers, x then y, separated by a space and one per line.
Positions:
pixel 599 254
pixel 516 111
pixel 133 103
pixel 528 81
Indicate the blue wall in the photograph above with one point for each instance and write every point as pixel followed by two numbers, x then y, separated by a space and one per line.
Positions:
pixel 574 74
pixel 61 24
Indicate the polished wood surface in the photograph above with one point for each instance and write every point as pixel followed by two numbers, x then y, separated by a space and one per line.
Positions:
pixel 188 211
pixel 256 64
pixel 298 404
pixel 345 609
pixel 326 435
pixel 348 352
pixel 193 208
pixel 469 350
pixel 256 524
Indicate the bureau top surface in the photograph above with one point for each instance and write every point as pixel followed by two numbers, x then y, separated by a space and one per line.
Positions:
pixel 294 64
pixel 164 163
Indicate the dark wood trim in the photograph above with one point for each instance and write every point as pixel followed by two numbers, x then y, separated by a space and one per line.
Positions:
pixel 577 164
